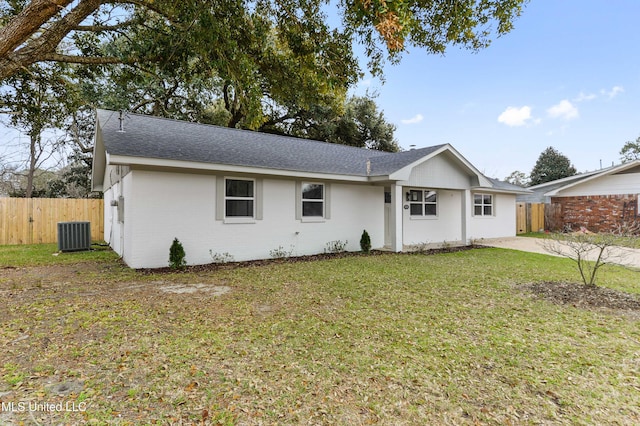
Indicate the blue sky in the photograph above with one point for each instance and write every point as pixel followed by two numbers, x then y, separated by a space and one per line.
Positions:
pixel 567 76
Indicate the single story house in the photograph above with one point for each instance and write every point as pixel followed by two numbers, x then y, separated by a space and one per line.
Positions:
pixel 247 195
pixel 600 201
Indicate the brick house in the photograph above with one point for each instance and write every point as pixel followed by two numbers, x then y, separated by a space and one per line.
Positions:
pixel 599 201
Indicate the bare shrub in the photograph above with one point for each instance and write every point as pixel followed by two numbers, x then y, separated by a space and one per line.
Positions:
pixel 591 251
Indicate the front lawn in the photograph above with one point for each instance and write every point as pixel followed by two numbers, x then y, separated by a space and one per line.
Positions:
pixel 389 339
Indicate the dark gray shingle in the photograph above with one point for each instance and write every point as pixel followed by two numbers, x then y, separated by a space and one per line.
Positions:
pixel 153 137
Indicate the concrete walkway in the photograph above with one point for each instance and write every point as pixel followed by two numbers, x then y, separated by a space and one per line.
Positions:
pixel 619 255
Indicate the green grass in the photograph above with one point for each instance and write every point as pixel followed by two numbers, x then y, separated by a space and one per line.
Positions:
pixel 47 254
pixel 386 339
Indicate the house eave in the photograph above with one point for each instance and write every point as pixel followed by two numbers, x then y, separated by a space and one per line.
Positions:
pixel 145 162
pixel 606 172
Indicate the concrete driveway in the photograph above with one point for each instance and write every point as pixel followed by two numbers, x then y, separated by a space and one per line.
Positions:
pixel 618 255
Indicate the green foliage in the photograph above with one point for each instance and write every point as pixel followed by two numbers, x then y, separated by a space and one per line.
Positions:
pixel 551 165
pixel 365 242
pixel 630 151
pixel 177 255
pixel 166 32
pixel 357 122
pixel 517 178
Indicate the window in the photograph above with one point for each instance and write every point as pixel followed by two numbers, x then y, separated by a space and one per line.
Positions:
pixel 482 205
pixel 313 200
pixel 423 202
pixel 239 198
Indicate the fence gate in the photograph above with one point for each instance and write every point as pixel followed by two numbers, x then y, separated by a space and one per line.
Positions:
pixel 529 217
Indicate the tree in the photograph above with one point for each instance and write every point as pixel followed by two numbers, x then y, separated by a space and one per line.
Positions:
pixel 36 101
pixel 357 122
pixel 551 165
pixel 630 151
pixel 66 30
pixel 517 178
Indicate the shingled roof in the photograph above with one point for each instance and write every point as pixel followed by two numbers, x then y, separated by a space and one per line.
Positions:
pixel 153 137
pixel 126 137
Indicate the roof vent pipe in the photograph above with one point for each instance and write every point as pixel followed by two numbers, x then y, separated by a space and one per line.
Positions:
pixel 121 118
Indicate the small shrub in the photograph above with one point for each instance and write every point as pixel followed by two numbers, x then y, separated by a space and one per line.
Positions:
pixel 177 255
pixel 280 252
pixel 365 242
pixel 221 257
pixel 421 248
pixel 337 246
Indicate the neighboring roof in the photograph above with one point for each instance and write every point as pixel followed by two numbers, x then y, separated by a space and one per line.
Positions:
pixel 148 137
pixel 538 192
pixel 508 187
pixel 589 176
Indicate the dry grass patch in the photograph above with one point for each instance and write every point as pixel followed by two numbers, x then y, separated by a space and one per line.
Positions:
pixel 393 339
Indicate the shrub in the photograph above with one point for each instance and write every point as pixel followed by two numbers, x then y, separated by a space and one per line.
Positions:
pixel 337 246
pixel 365 242
pixel 177 255
pixel 280 252
pixel 221 257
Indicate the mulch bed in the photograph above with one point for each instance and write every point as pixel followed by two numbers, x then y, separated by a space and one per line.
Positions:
pixel 583 296
pixel 295 259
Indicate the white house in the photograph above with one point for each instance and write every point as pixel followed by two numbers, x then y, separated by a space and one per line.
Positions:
pixel 248 194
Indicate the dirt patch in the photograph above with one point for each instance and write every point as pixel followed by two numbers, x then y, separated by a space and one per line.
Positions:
pixel 583 296
pixel 216 290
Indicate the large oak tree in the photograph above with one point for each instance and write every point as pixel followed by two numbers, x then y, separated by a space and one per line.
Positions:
pixel 58 30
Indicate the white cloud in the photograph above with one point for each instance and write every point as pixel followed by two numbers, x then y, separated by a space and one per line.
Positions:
pixel 564 110
pixel 418 118
pixel 615 90
pixel 585 97
pixel 514 116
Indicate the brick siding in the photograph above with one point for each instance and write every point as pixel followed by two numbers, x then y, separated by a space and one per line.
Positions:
pixel 598 213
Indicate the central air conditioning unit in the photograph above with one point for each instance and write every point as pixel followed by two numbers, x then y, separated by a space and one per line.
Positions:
pixel 74 236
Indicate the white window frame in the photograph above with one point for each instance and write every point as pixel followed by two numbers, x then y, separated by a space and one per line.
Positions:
pixel 424 194
pixel 225 198
pixel 482 204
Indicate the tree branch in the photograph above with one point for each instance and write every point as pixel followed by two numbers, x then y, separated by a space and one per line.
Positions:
pixel 85 60
pixel 102 28
pixel 27 22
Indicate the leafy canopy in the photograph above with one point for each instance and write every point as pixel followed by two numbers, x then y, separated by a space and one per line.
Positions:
pixel 551 165
pixel 630 151
pixel 70 30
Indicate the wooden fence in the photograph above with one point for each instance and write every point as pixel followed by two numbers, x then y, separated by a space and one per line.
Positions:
pixel 530 217
pixel 35 220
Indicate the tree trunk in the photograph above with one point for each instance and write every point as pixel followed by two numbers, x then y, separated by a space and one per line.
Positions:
pixel 34 142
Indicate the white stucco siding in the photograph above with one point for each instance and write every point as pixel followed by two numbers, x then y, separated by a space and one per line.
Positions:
pixel 501 224
pixel 164 206
pixel 446 226
pixel 606 185
pixel 439 172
